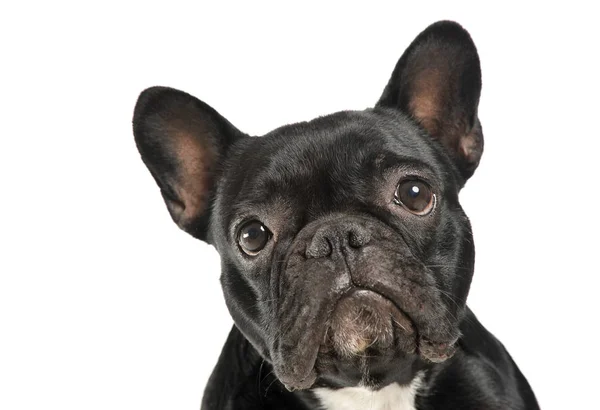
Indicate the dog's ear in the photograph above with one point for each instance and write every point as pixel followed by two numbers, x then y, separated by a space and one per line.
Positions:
pixel 437 82
pixel 182 141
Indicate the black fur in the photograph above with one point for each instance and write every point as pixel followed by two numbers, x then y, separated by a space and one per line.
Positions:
pixel 352 286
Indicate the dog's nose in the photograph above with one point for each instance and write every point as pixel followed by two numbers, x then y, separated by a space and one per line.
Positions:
pixel 339 236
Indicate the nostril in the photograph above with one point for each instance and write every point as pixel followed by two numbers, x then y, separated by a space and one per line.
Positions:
pixel 358 239
pixel 334 238
pixel 319 247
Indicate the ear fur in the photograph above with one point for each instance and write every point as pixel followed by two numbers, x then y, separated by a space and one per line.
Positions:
pixel 182 141
pixel 437 82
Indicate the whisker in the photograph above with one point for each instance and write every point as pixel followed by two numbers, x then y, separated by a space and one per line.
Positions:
pixel 269 386
pixel 448 266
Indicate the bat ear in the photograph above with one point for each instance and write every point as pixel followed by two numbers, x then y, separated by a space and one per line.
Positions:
pixel 182 140
pixel 437 82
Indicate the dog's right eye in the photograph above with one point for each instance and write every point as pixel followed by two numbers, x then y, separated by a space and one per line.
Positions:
pixel 253 237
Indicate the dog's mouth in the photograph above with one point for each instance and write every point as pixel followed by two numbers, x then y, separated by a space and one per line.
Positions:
pixel 365 322
pixel 365 336
pixel 365 333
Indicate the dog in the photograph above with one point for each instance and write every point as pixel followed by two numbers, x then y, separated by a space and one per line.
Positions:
pixel 346 256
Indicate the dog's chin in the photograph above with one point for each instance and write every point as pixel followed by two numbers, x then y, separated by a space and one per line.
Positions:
pixel 368 341
pixel 367 337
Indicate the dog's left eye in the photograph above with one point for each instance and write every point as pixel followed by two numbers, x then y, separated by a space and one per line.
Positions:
pixel 416 196
pixel 253 237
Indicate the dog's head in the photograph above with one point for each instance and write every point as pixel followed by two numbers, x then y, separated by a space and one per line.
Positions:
pixel 343 245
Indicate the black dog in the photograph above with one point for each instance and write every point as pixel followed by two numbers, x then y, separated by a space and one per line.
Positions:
pixel 346 256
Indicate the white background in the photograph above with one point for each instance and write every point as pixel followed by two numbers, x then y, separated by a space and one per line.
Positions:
pixel 106 304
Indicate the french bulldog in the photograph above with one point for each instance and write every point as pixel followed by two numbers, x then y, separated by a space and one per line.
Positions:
pixel 346 256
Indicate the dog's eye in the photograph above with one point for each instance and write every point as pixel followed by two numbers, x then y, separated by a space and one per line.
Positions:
pixel 415 195
pixel 253 237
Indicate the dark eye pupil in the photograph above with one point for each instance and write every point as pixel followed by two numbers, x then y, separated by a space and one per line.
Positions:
pixel 251 234
pixel 414 191
pixel 253 237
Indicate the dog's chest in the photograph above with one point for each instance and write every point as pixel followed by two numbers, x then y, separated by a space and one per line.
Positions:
pixel 392 397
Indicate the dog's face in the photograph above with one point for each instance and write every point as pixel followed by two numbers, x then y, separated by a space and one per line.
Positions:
pixel 344 248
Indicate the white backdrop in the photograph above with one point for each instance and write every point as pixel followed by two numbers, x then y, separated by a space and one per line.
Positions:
pixel 105 303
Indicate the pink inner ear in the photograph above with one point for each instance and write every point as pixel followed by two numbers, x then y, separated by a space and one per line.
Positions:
pixel 471 145
pixel 425 88
pixel 426 94
pixel 195 156
pixel 431 90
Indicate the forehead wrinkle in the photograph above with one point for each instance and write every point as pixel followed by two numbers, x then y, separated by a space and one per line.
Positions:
pixel 320 154
pixel 334 172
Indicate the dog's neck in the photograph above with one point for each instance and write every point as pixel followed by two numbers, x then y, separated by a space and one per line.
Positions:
pixel 393 396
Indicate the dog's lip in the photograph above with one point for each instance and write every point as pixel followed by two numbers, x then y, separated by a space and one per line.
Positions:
pixel 429 350
pixel 377 297
pixel 359 289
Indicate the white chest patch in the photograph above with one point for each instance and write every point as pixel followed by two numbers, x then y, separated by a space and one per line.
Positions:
pixel 392 397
